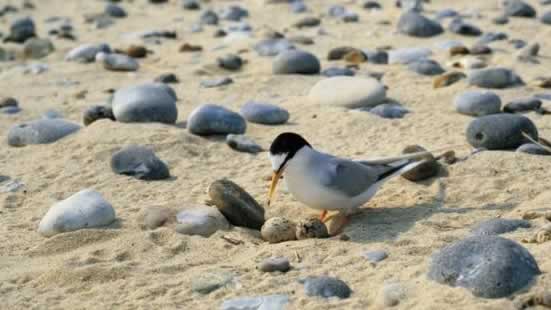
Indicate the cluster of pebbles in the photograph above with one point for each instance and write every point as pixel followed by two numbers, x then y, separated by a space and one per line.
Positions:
pixel 485 263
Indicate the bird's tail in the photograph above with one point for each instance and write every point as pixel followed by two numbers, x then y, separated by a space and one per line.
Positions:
pixel 398 168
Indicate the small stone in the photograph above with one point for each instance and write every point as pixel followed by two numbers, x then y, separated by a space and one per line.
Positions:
pixel 187 47
pixel 493 78
pixel 417 25
pixel 393 294
pixel 355 57
pixel 42 131
pixel 151 102
pixel 523 105
pixel 268 302
pixel 542 81
pixel 518 43
pixel 500 20
pixel 97 112
pixel 167 78
pixel 86 53
pixel 211 119
pixel 208 17
pixel 85 209
pixel 372 5
pixel 37 48
pixel 298 7
pixel 236 204
pixel 354 92
pixel 546 18
pixel 426 67
pixel 490 37
pixel 136 51
pixel 446 13
pixel 519 8
pixel 278 229
pixel 115 11
pixel 377 56
pixel 264 113
pixel 233 13
pixel 120 62
pixel 191 5
pixel 296 62
pixel 273 264
pixel 334 71
pixel 375 256
pixel 500 131
pixel 336 10
pixel 216 82
pixel 311 228
pixel 326 287
pixel 230 62
pixel 488 266
pixel 534 149
pixel 499 226
pixel 389 110
pixel 201 220
pixel 424 171
pixel 459 50
pixel 208 282
pixel 477 103
pixel 481 49
pixel 301 39
pixel 308 21
pixel 408 55
pixel 21 30
pixel 139 162
pixel 156 217
pixel 338 53
pixel 243 143
pixel 273 47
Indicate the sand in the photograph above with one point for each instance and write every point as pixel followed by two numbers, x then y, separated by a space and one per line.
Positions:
pixel 126 267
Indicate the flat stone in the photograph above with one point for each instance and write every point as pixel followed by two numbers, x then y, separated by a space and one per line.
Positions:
pixel 216 82
pixel 376 56
pixel 264 113
pixel 353 92
pixel 426 67
pixel 500 131
pixel 477 103
pixel 389 110
pixel 488 266
pixel 446 13
pixel 416 25
pixel 268 302
pixel 496 78
pixel 236 204
pixel 534 149
pixel 490 37
pixel 201 220
pixel 139 162
pixel 273 47
pixel 308 21
pixel 243 143
pixel 212 119
pixel 278 229
pixel 191 5
pixel 120 62
pixel 41 131
pixel 230 62
pixel 151 102
pixel 326 287
pixel 408 55
pixel 335 71
pixel 523 105
pixel 519 8
pixel 273 264
pixel 86 53
pixel 375 256
pixel 296 62
pixel 499 226
pixel 210 281
pixel 423 171
pixel 85 209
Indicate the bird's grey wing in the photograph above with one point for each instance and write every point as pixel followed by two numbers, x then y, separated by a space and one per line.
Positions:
pixel 348 177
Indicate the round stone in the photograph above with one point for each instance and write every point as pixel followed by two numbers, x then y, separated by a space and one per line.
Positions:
pixel 488 266
pixel 40 131
pixel 426 67
pixel 211 119
pixel 354 92
pixel 414 24
pixel 459 26
pixel 296 62
pixel 230 62
pixel 477 103
pixel 119 62
pixel 153 102
pixel 326 287
pixel 273 264
pixel 278 229
pixel 311 228
pixel 264 113
pixel 201 220
pixel 499 226
pixel 139 162
pixel 500 131
pixel 85 209
pixel 493 78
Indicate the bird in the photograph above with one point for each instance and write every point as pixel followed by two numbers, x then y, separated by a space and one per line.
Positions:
pixel 329 183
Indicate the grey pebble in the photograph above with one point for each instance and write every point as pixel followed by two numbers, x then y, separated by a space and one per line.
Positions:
pixel 21 30
pixel 427 67
pixel 408 55
pixel 268 302
pixel 519 8
pixel 273 47
pixel 375 256
pixel 114 10
pixel 40 131
pixel 490 37
pixel 298 6
pixel 500 131
pixel 326 287
pixel 230 62
pixel 446 13
pixel 477 103
pixel 200 220
pixel 546 18
pixel 167 78
pixel 216 82
pixel 208 17
pixel 119 62
pixel 139 162
pixel 264 113
pixel 417 25
pixel 233 13
pixel 243 143
pixel 534 149
pixel 212 119
pixel 376 56
pixel 273 264
pixel 86 53
pixel 523 105
pixel 499 226
pixel 36 48
pixel 296 62
pixel 494 78
pixel 335 71
pixel 389 110
pixel 459 26
pixel 191 4
pixel 151 102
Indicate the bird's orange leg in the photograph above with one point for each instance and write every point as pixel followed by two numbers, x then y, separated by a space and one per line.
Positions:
pixel 339 221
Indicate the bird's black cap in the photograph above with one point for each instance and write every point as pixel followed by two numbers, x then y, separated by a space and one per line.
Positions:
pixel 288 143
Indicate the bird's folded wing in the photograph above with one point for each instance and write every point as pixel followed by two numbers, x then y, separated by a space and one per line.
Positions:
pixel 348 177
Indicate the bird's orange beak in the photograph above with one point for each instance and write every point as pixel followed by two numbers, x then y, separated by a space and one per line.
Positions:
pixel 275 178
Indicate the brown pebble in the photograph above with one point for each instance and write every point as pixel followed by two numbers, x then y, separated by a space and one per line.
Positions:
pixel 459 50
pixel 311 228
pixel 355 57
pixel 424 171
pixel 481 50
pixel 338 53
pixel 136 51
pixel 186 47
pixel 448 79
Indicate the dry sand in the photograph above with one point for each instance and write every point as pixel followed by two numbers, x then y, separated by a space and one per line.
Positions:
pixel 129 268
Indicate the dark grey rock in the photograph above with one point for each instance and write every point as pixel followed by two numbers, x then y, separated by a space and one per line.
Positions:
pixel 326 287
pixel 139 162
pixel 426 67
pixel 273 264
pixel 534 149
pixel 518 43
pixel 499 226
pixel 460 27
pixel 546 18
pixel 446 13
pixel 389 110
pixel 335 71
pixel 490 37
pixel 264 113
pixel 119 62
pixel 9 105
pixel 296 62
pixel 230 62
pixel 477 103
pixel 519 8
pixel 97 112
pixel 522 105
pixel 269 302
pixel 216 82
pixel 417 25
pixel 488 266
pixel 152 102
pixel 376 56
pixel 243 143
pixel 167 78
pixel 234 13
pixel 211 119
pixel 350 17
pixel 40 131
pixel 307 22
pixel 208 17
pixel 191 4
pixel 21 30
pixel 236 204
pixel 375 256
pixel 114 10
pixel 500 131
pixel 273 47
pixel 371 5
pixel 494 78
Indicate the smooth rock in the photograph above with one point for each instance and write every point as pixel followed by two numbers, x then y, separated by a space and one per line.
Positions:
pixel 97 112
pixel 115 11
pixel 243 143
pixel 417 25
pixel 216 82
pixel 278 229
pixel 311 228
pixel 41 131
pixel 208 17
pixel 493 78
pixel 191 4
pixel 212 119
pixel 268 302
pixel 426 67
pixel 500 20
pixel 534 149
pixel 408 55
pixel 389 110
pixel 233 13
pixel 424 171
pixel 21 30
pixel 338 53
pixel 459 26
pixel 151 102
pixel 500 131
pixel 326 287
pixel 488 266
pixel 372 5
pixel 230 62
pixel 208 282
pixel 264 113
pixel 376 56
pixel 446 13
pixel 167 78
pixel 201 220
pixel 519 8
pixel 335 71
pixel 120 62
pixel 348 92
pixel 375 256
pixel 37 48
pixel 86 53
pixel 308 21
pixel 273 47
pixel 336 10
pixel 139 162
pixel 85 209
pixel 490 37
pixel 296 62
pixel 523 105
pixel 477 103
pixel 236 204
pixel 273 264
pixel 499 226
